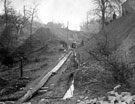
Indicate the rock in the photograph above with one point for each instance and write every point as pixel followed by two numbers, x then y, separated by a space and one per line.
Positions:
pixel 42 101
pixel 133 97
pixel 86 98
pixel 111 98
pixel 116 87
pixel 87 102
pixel 127 99
pixel 27 103
pixel 81 102
pixel 103 102
pixel 81 97
pixel 125 93
pixel 113 93
pixel 78 101
pixel 31 88
pixel 122 103
pixel 101 98
pixel 119 97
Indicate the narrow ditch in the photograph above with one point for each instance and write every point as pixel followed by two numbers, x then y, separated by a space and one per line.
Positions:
pixel 70 91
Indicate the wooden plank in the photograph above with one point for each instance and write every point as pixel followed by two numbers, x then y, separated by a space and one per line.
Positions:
pixel 32 91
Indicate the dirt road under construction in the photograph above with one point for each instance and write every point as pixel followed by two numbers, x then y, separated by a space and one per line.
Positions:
pixel 52 84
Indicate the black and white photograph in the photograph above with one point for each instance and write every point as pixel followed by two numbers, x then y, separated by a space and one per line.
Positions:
pixel 67 51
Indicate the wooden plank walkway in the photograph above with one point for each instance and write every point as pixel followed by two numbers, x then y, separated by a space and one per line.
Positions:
pixel 41 83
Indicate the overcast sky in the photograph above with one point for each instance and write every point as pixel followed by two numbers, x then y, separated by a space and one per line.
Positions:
pixel 61 11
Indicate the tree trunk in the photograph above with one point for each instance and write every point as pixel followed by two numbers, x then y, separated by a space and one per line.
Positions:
pixel 31 26
pixel 103 13
pixel 5 10
pixel 103 19
pixel 21 67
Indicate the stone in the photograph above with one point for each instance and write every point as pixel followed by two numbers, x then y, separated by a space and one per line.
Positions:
pixel 125 93
pixel 78 101
pixel 27 103
pixel 133 97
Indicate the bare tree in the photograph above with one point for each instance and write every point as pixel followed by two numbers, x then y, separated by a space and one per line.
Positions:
pixel 14 23
pixel 33 13
pixel 5 9
pixel 101 9
pixel 118 6
pixel 105 9
pixel 20 21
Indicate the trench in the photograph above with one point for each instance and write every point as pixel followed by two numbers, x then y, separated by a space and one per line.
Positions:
pixel 70 91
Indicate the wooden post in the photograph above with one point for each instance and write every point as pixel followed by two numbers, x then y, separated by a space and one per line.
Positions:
pixel 21 67
pixel 67 35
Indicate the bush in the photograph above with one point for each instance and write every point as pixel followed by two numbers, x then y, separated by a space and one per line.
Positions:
pixel 104 53
pixel 121 72
pixel 9 55
pixel 106 79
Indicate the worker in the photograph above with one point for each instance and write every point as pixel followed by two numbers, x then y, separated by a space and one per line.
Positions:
pixel 114 16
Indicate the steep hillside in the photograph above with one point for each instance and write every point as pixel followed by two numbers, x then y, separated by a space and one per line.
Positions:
pixel 120 35
pixel 120 29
